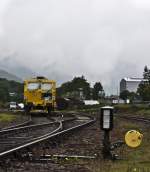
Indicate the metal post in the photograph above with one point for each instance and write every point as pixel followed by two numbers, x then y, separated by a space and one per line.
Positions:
pixel 106 146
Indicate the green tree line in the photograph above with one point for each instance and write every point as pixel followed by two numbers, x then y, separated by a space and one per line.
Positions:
pixel 7 87
pixel 80 88
pixel 144 86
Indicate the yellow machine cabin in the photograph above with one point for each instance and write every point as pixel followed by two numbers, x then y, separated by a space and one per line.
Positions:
pixel 39 93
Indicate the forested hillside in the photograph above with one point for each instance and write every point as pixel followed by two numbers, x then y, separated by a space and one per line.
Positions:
pixel 9 76
pixel 10 91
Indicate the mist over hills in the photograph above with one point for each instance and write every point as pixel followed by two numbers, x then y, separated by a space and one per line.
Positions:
pixel 12 66
pixel 9 76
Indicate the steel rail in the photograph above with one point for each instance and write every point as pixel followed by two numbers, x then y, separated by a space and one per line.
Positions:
pixel 50 135
pixel 30 143
pixel 21 129
pixel 136 118
pixel 31 126
pixel 24 124
pixel 18 125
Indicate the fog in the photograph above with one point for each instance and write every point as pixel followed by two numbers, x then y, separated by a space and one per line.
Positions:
pixel 103 40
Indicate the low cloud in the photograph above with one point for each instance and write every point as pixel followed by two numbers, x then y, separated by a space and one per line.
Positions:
pixel 103 40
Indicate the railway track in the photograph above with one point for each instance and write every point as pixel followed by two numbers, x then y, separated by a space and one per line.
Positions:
pixel 27 122
pixel 12 139
pixel 16 139
pixel 135 118
pixel 32 119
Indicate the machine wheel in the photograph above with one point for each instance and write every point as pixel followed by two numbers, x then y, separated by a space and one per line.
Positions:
pixel 27 109
pixel 49 110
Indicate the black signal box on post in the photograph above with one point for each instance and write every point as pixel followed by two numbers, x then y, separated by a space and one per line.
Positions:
pixel 106 124
pixel 106 118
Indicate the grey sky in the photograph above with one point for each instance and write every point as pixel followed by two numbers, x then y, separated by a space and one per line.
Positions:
pixel 101 39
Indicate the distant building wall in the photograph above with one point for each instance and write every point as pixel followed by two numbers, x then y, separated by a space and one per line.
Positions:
pixel 130 84
pixel 122 85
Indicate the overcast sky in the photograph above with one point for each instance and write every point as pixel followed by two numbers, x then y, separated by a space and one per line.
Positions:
pixel 104 40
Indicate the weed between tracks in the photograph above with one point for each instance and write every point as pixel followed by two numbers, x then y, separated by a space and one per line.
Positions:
pixel 4 117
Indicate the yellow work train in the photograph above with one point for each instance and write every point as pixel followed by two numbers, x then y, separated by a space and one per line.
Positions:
pixel 39 93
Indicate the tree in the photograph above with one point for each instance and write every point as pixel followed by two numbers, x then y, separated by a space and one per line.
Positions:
pixel 128 95
pixel 146 73
pixel 125 95
pixel 7 87
pixel 144 86
pixel 74 88
pixel 97 90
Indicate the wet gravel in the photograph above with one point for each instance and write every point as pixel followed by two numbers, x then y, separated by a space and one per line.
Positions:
pixel 85 142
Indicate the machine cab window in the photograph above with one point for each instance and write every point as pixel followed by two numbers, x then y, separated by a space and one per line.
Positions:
pixel 46 86
pixel 33 86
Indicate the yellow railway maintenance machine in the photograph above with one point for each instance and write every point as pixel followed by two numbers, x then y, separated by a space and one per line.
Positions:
pixel 39 94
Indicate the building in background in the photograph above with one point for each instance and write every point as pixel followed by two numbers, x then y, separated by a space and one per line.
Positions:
pixel 130 84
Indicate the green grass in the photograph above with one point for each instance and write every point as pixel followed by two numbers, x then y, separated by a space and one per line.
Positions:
pixel 144 112
pixel 131 107
pixel 5 117
pixel 133 160
pixel 118 166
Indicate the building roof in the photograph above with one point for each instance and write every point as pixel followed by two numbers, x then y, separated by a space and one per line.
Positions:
pixel 134 79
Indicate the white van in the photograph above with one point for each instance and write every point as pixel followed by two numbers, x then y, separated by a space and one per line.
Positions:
pixel 12 105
